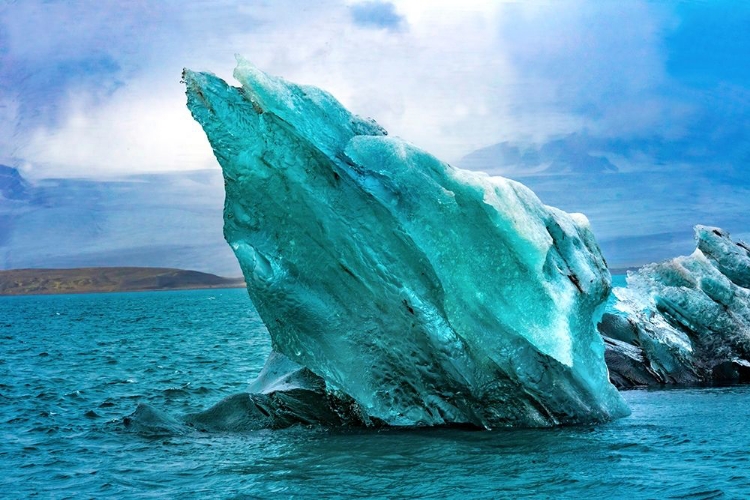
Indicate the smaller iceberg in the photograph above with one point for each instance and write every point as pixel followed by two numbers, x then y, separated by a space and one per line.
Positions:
pixel 683 321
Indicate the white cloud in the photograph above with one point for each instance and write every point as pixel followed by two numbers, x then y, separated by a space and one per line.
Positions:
pixel 451 81
pixel 140 129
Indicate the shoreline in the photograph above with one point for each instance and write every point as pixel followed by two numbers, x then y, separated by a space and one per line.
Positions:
pixel 21 282
pixel 141 290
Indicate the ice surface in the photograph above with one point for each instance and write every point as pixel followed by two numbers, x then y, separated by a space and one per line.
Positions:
pixel 423 294
pixel 686 320
pixel 284 394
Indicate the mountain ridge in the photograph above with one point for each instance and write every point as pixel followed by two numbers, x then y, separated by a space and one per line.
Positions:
pixel 32 281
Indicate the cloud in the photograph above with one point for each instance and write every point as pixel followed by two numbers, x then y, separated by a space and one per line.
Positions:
pixel 394 79
pixel 595 61
pixel 143 127
pixel 378 15
pixel 53 47
pixel 91 88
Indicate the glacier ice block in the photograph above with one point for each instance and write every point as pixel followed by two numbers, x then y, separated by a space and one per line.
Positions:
pixel 423 294
pixel 686 320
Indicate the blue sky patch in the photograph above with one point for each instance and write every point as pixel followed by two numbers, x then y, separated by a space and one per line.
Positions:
pixel 377 15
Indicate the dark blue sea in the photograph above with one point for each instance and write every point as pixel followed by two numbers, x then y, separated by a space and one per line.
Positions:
pixel 73 366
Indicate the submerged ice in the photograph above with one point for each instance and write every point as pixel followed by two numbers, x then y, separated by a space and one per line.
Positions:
pixel 409 292
pixel 686 320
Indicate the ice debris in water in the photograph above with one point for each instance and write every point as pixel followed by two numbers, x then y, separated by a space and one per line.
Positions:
pixel 417 293
pixel 686 320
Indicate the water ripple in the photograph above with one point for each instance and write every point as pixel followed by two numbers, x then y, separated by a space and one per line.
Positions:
pixel 68 380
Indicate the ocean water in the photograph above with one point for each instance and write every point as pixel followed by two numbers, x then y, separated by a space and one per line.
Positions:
pixel 73 366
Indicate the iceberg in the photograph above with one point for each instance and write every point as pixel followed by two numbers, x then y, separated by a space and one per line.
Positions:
pixel 410 293
pixel 683 321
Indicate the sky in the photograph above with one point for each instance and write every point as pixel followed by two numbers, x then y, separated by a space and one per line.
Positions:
pixel 91 89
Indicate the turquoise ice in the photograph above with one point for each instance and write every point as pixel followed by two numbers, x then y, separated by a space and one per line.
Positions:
pixel 421 293
pixel 685 320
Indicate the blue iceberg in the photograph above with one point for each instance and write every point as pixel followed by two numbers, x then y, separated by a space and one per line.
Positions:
pixel 410 292
pixel 685 320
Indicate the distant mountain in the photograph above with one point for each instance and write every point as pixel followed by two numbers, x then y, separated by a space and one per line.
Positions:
pixel 160 220
pixel 642 196
pixel 572 154
pixel 107 279
pixel 12 184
